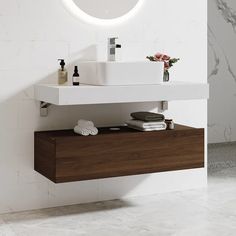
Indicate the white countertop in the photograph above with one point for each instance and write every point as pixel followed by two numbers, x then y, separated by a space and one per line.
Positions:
pixel 88 94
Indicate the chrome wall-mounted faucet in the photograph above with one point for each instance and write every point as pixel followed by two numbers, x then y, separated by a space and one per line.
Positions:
pixel 111 49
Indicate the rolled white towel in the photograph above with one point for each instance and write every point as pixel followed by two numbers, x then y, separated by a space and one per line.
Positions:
pixel 92 130
pixel 85 123
pixel 82 131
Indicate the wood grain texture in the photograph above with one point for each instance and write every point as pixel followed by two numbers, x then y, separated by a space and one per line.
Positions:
pixel 44 156
pixel 63 156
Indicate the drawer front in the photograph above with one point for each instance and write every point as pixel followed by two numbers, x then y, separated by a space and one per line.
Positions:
pixel 106 156
pixel 44 157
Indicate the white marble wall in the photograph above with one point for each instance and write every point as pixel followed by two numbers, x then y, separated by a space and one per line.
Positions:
pixel 33 34
pixel 222 70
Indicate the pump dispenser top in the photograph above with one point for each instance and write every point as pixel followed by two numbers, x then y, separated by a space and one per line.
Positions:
pixel 62 73
pixel 62 63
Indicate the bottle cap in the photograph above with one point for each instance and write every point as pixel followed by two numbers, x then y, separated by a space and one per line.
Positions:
pixel 62 63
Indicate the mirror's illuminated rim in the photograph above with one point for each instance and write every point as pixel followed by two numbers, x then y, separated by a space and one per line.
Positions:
pixel 73 8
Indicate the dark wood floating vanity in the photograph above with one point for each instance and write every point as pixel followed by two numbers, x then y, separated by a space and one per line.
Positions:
pixel 63 156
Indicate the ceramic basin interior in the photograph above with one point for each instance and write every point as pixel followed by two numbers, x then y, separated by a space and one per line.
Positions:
pixel 121 73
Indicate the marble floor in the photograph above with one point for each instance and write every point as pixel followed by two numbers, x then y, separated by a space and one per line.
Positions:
pixel 210 211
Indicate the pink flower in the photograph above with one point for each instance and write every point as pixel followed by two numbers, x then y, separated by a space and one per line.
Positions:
pixel 161 57
pixel 168 62
pixel 166 58
pixel 158 56
pixel 167 65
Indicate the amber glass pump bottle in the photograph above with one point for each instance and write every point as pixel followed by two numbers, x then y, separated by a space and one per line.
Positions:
pixel 62 73
pixel 75 78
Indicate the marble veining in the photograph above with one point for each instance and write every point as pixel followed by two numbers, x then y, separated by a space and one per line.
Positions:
pixel 215 70
pixel 205 212
pixel 227 12
pixel 212 41
pixel 222 70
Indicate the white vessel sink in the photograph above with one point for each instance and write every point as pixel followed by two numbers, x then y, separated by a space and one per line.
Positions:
pixel 121 73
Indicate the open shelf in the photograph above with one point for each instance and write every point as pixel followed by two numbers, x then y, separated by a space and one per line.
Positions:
pixel 86 94
pixel 63 156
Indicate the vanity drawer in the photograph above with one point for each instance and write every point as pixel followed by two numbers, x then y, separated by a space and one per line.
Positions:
pixel 63 156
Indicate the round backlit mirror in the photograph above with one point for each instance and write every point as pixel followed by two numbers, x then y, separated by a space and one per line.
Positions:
pixel 106 12
pixel 106 9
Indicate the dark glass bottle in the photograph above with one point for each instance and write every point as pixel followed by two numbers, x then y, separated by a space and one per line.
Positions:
pixel 75 78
